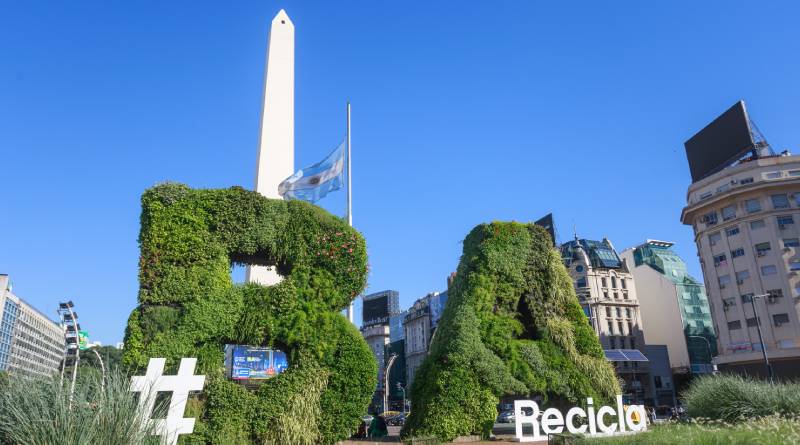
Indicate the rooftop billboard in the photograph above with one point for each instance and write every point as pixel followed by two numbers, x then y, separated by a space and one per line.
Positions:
pixel 720 143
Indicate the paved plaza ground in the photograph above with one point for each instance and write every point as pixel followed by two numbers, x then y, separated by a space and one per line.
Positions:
pixel 504 433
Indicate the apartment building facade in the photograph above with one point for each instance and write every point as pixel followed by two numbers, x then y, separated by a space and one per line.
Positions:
pixel 30 342
pixel 746 222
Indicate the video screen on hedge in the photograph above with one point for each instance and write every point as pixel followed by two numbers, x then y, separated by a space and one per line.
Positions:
pixel 243 362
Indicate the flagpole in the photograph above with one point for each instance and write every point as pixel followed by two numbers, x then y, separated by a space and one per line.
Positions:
pixel 349 196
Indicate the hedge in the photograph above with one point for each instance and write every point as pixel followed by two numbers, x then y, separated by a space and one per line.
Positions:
pixel 189 307
pixel 512 325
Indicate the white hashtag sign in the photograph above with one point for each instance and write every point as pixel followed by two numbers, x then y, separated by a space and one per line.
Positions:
pixel 179 385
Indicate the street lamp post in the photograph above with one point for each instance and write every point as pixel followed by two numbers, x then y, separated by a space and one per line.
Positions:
pixel 401 388
pixel 392 358
pixel 103 369
pixel 708 346
pixel 761 337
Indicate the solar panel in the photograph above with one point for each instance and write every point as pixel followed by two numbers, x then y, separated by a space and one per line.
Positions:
pixel 614 355
pixel 634 355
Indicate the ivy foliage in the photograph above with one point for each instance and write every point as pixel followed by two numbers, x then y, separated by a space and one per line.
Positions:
pixel 512 326
pixel 189 307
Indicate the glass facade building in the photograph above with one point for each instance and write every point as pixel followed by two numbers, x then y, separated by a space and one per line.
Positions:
pixel 690 295
pixel 10 313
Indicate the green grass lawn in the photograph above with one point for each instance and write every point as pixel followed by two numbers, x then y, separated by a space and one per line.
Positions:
pixel 767 431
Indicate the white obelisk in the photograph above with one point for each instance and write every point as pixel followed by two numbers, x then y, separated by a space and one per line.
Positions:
pixel 276 140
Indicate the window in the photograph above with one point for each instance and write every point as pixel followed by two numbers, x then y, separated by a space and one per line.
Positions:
pixel 621 329
pixel 613 342
pixel 614 282
pixel 747 298
pixel 757 224
pixel 608 312
pixel 794 265
pixel 605 295
pixel 581 282
pixel 742 275
pixel 578 268
pixel 773 295
pixel 737 253
pixel 785 220
pixel 616 296
pixel 780 201
pixel 622 283
pixel 714 238
pixel 752 206
pixel 780 319
pixel 611 327
pixel 628 312
pixel 720 260
pixel 705 195
pixel 762 249
pixel 619 313
pixel 734 325
pixel 630 328
pixel 791 242
pixel 745 181
pixel 603 281
pixel 729 213
pixel 769 270
pixel 710 219
pixel 752 322
pixel 723 280
pixel 732 231
pixel 728 302
pixel 657 381
pixel 771 175
pixel 796 198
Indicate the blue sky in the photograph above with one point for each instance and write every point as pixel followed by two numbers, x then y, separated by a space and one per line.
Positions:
pixel 463 112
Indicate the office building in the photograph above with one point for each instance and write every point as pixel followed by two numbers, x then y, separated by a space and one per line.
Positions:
pixel 746 222
pixel 380 310
pixel 30 342
pixel 673 305
pixel 606 291
pixel 398 391
pixel 420 325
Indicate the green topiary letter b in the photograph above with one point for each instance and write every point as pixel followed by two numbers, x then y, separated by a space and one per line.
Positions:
pixel 189 307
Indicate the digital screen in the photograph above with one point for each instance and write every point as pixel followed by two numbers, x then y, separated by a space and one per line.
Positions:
pixel 255 363
pixel 376 311
pixel 720 143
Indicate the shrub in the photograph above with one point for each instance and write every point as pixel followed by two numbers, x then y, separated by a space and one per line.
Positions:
pixel 37 411
pixel 512 326
pixel 766 430
pixel 732 398
pixel 189 307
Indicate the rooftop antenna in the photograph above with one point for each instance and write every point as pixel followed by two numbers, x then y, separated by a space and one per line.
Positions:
pixel 760 143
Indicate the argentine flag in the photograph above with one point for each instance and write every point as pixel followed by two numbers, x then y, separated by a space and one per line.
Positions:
pixel 314 183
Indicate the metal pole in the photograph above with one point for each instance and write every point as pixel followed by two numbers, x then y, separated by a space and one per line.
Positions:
pixel 708 346
pixel 349 167
pixel 103 368
pixel 349 196
pixel 386 381
pixel 404 397
pixel 761 338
